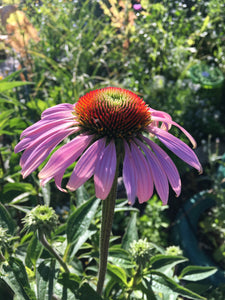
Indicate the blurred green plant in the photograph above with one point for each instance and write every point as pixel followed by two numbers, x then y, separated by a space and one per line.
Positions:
pixel 212 224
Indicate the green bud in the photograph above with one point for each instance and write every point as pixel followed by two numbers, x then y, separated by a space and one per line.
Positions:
pixel 42 218
pixel 141 252
pixel 174 250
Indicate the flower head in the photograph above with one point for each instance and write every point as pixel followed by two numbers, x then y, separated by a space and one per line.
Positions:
pixel 42 218
pixel 141 252
pixel 105 122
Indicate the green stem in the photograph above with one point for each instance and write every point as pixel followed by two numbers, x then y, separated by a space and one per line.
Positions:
pixel 108 206
pixel 46 244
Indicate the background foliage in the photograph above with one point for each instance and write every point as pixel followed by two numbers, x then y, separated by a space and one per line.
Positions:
pixel 67 49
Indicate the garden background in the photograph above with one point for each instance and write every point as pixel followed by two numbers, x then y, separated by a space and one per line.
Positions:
pixel 172 54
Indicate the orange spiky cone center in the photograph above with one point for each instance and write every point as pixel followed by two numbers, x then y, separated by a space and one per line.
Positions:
pixel 113 113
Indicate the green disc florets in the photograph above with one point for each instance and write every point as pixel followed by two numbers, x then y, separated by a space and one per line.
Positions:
pixel 141 252
pixel 41 218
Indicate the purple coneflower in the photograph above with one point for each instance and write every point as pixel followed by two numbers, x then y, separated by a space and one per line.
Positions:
pixel 104 121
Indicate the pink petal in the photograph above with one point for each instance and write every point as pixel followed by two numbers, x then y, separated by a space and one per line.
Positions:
pixel 33 157
pixel 65 156
pixel 159 176
pixel 63 107
pixel 178 147
pixel 144 177
pixel 192 140
pixel 161 114
pixel 85 166
pixel 129 175
pixel 168 166
pixel 43 125
pixel 105 171
pixel 41 135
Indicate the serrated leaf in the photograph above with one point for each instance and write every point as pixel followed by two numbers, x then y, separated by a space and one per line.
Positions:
pixel 80 220
pixel 117 273
pixel 45 279
pixel 6 221
pixel 131 233
pixel 195 273
pixel 16 278
pixel 164 263
pixel 163 284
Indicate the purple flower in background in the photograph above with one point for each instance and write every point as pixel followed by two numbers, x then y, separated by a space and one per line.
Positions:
pixel 137 6
pixel 104 121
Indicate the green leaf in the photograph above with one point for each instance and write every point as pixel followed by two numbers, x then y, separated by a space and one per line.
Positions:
pixel 16 277
pixel 20 186
pixel 81 240
pixel 120 257
pixel 12 75
pixel 11 101
pixel 6 221
pixel 4 86
pixel 164 263
pixel 72 282
pixel 34 251
pixel 117 273
pixel 131 233
pixel 195 273
pixel 163 284
pixel 147 290
pixel 45 279
pixel 82 195
pixel 86 292
pixel 80 220
pixel 46 192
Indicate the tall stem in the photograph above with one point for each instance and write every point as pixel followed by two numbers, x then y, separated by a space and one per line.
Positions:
pixel 108 206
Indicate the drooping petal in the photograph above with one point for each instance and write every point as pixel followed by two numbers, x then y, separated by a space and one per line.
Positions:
pixel 178 147
pixel 62 107
pixel 65 156
pixel 144 176
pixel 129 175
pixel 105 171
pixel 58 181
pixel 41 135
pixel 161 114
pixel 189 136
pixel 159 176
pixel 33 157
pixel 168 166
pixel 43 125
pixel 85 166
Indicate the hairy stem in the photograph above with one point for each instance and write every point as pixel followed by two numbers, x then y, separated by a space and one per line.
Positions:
pixel 108 206
pixel 51 250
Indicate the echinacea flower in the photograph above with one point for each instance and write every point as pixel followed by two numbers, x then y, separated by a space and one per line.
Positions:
pixel 104 121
